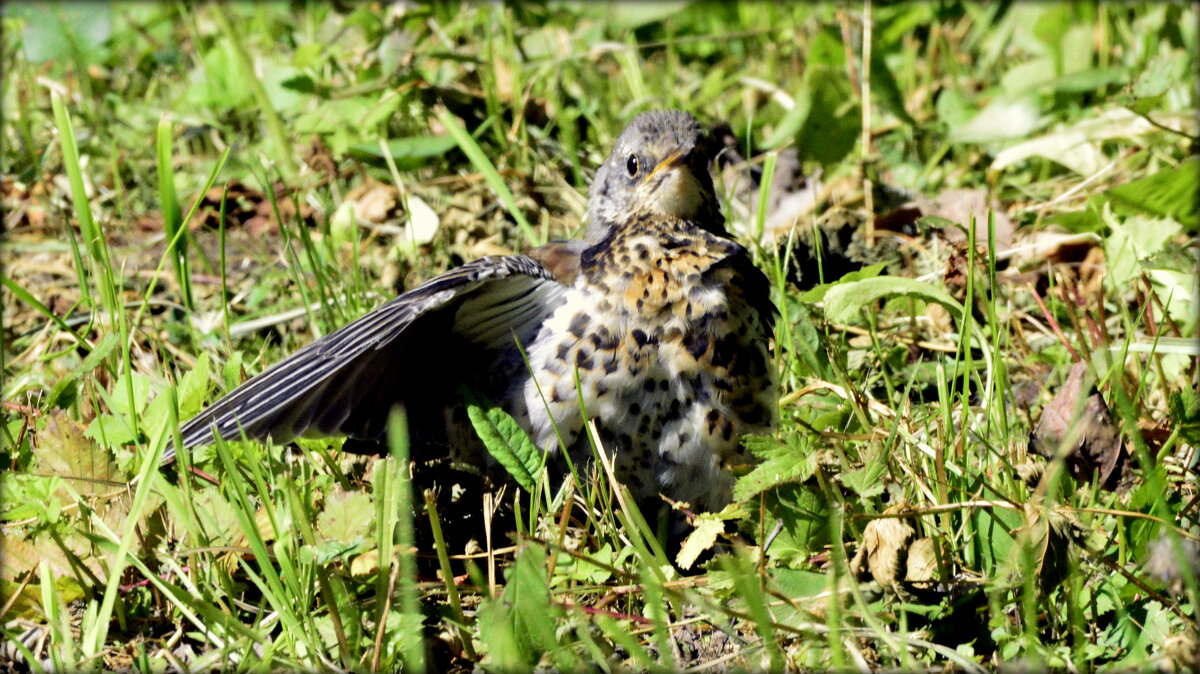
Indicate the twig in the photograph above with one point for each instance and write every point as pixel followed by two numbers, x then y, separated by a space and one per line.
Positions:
pixel 1054 324
pixel 381 627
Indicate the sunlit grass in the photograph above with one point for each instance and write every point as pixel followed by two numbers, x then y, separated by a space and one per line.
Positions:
pixel 896 519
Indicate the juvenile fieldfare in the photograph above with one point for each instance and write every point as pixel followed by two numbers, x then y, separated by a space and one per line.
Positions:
pixel 662 315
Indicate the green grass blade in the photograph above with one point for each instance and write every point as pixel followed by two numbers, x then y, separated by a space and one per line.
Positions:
pixel 171 215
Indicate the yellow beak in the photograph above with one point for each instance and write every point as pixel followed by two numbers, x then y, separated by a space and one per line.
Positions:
pixel 672 160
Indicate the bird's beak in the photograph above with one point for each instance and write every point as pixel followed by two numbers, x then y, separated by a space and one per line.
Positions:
pixel 674 188
pixel 672 160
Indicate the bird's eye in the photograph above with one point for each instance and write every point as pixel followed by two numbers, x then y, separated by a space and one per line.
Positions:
pixel 631 165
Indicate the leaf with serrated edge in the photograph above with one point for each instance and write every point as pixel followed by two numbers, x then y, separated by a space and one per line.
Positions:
pixel 347 517
pixel 508 443
pixel 843 301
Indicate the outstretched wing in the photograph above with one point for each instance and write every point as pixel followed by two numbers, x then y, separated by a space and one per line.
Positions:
pixel 347 381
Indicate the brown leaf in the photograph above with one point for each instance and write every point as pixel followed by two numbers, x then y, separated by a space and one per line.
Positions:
pixel 958 206
pixel 790 195
pixel 375 202
pixel 320 159
pixel 249 207
pixel 1044 535
pixel 364 564
pixel 63 450
pixel 922 568
pixel 884 546
pixel 1082 433
pixel 21 557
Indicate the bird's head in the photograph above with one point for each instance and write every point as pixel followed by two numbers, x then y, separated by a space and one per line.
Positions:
pixel 660 165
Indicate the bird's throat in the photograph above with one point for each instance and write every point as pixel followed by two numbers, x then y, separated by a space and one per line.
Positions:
pixel 677 193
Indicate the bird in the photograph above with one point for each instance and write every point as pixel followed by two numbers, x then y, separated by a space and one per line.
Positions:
pixel 657 319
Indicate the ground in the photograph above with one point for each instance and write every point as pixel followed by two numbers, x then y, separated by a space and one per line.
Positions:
pixel 986 455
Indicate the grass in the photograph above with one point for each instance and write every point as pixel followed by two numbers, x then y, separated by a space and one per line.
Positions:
pixel 191 193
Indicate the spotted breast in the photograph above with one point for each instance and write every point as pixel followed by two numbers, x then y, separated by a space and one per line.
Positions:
pixel 668 327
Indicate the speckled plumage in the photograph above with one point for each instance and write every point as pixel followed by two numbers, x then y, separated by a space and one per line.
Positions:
pixel 663 317
pixel 668 326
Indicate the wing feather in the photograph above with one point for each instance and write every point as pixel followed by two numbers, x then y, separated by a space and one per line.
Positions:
pixel 345 381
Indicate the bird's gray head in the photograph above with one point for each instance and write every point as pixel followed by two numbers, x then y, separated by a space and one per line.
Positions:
pixel 659 164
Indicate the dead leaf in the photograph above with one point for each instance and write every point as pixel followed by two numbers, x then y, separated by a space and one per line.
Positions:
pixel 959 205
pixel 1045 536
pixel 884 547
pixel 707 528
pixel 790 196
pixel 21 557
pixel 63 450
pixel 1083 434
pixel 1038 247
pixel 365 564
pixel 249 207
pixel 922 569
pixel 320 159
pixel 1182 652
pixel 955 276
pixel 375 202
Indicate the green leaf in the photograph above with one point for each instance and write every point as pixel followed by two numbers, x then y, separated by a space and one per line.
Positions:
pixel 868 480
pixel 1184 406
pixel 1085 220
pixel 1170 193
pixel 156 414
pixel 843 301
pixel 803 509
pixel 1140 531
pixel 51 27
pixel 799 584
pixel 1144 106
pixel 1090 80
pixel 992 542
pixel 625 16
pixel 782 463
pixel 218 84
pixel 1002 119
pixel 91 362
pixel 110 429
pixel 308 55
pixel 834 121
pixel 1149 633
pixel 193 386
pixel 571 568
pixel 232 370
pixel 825 50
pixel 407 153
pixel 347 517
pixel 1160 74
pixel 787 128
pixel 1132 241
pixel 886 90
pixel 141 393
pixel 280 82
pixel 952 108
pixel 896 21
pixel 507 442
pixel 817 293
pixel 517 627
